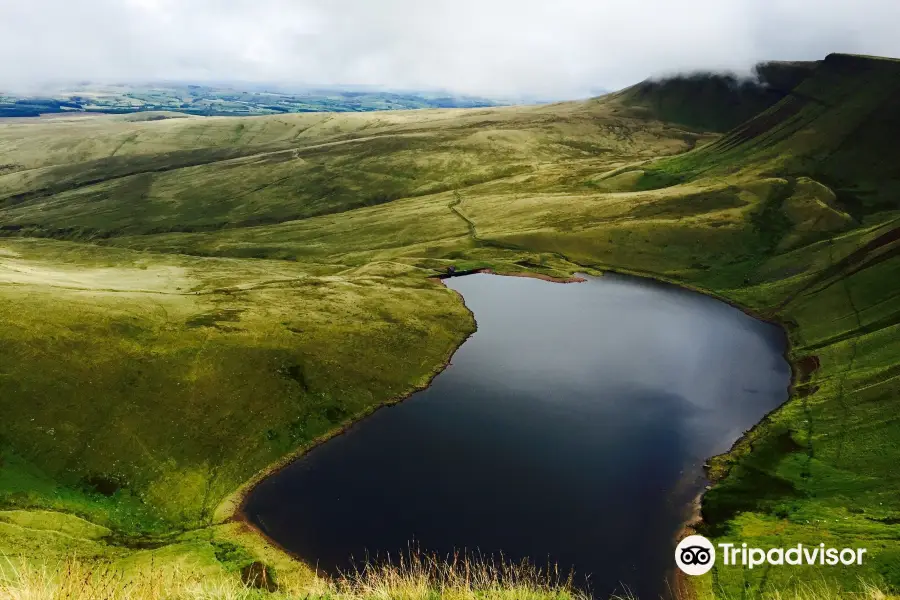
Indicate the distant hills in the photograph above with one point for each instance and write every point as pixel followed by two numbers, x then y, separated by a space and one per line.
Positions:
pixel 224 100
pixel 703 101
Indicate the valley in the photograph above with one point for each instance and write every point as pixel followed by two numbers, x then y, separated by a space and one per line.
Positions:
pixel 186 304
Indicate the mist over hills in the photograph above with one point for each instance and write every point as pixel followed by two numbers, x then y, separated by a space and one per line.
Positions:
pixel 713 101
pixel 703 100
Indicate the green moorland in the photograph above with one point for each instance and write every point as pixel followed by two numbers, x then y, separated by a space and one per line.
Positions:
pixel 186 302
pixel 717 101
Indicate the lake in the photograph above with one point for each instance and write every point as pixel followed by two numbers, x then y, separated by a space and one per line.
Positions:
pixel 571 427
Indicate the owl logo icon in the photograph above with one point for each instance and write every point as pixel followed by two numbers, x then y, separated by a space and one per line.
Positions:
pixel 695 555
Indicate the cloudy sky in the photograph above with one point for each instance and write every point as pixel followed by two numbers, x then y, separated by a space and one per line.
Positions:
pixel 548 48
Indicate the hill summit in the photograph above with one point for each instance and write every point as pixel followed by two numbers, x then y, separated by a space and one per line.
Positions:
pixel 716 101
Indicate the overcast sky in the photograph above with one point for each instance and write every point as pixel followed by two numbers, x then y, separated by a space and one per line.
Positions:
pixel 548 48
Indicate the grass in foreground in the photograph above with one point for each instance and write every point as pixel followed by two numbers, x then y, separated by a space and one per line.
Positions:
pixel 416 578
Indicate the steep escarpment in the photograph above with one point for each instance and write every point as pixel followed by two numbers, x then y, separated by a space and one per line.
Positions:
pixel 824 465
pixel 838 126
pixel 716 101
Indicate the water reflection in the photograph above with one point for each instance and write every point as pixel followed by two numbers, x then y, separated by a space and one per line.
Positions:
pixel 565 429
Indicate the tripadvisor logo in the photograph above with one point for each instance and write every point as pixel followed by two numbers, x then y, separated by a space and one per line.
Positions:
pixel 696 555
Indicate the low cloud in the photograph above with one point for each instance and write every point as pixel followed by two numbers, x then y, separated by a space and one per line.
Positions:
pixel 558 49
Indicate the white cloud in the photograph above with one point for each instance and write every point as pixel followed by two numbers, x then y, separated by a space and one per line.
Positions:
pixel 557 49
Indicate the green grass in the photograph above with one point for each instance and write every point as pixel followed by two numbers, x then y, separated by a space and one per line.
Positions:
pixel 249 290
pixel 416 578
pixel 154 379
pixel 716 101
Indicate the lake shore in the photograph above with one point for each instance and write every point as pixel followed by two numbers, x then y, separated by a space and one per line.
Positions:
pixel 241 513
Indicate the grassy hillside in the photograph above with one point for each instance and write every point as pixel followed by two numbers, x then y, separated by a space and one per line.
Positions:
pixel 716 101
pixel 187 301
pixel 145 387
pixel 825 261
pixel 88 179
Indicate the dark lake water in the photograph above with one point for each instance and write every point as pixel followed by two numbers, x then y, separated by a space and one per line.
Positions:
pixel 572 427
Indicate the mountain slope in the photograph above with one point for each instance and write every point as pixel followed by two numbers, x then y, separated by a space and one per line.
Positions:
pixel 838 126
pixel 109 177
pixel 823 466
pixel 714 101
pixel 793 214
